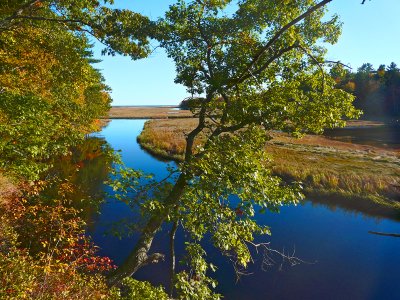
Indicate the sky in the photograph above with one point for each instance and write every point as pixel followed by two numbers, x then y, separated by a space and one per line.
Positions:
pixel 370 33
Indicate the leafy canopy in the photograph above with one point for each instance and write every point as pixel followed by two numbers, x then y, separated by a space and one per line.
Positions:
pixel 261 70
pixel 255 66
pixel 51 95
pixel 121 31
pixel 252 66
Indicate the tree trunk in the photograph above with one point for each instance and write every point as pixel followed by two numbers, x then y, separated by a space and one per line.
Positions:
pixel 172 254
pixel 139 256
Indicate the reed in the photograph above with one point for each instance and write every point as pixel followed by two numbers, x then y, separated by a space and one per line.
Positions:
pixel 321 164
pixel 147 113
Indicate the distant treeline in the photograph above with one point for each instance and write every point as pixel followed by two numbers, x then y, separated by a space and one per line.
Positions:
pixel 377 91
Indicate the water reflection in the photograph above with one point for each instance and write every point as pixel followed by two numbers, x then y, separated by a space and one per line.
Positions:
pixel 356 206
pixel 81 175
pixel 384 136
pixel 350 263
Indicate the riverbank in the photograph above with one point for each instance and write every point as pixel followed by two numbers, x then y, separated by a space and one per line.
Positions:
pixel 318 232
pixel 325 166
pixel 173 111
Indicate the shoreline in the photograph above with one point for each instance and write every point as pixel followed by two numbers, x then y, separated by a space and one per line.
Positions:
pixel 172 111
pixel 325 166
pixel 147 112
pixel 372 206
pixel 145 117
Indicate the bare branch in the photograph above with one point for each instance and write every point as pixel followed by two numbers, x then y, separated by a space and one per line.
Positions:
pixel 337 63
pixel 269 254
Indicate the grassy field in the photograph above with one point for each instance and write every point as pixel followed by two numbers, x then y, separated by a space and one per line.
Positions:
pixel 168 112
pixel 325 166
pixel 166 138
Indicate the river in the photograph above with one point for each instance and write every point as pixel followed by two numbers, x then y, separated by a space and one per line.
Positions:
pixel 342 260
pixel 380 136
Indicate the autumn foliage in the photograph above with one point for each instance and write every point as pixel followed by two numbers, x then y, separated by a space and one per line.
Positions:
pixel 377 91
pixel 51 96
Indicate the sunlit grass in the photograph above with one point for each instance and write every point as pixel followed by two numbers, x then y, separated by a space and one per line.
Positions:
pixel 166 138
pixel 338 172
pixel 322 164
pixel 147 113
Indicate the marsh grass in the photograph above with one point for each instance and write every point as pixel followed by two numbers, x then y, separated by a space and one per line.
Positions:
pixel 147 113
pixel 166 138
pixel 324 166
pixel 339 173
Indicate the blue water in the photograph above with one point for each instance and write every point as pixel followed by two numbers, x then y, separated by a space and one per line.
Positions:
pixel 342 260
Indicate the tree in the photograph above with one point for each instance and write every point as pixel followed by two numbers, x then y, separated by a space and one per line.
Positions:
pixel 381 71
pixel 257 69
pixel 392 92
pixel 377 92
pixel 51 95
pixel 121 31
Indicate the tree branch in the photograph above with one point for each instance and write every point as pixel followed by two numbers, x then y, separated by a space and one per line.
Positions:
pixel 319 64
pixel 172 256
pixel 19 11
pixel 337 63
pixel 53 20
pixel 277 55
pixel 138 257
pixel 192 135
pixel 227 105
pixel 279 33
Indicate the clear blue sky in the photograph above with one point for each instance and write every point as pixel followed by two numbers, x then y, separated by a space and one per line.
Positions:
pixel 370 33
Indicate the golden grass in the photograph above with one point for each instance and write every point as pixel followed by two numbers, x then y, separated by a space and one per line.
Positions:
pixel 320 163
pixel 170 112
pixel 166 138
pixel 147 113
pixel 339 171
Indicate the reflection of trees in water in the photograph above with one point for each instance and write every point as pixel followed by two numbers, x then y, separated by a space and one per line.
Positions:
pixel 80 176
pixel 385 136
pixel 354 205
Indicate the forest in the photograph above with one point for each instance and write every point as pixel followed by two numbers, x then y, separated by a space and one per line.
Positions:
pixel 51 97
pixel 377 91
